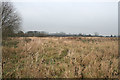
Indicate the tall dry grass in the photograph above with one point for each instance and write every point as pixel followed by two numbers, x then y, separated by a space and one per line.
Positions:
pixel 60 57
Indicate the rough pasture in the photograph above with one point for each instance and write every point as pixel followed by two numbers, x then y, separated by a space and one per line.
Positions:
pixel 60 57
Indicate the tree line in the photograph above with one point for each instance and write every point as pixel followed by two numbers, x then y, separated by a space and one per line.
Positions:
pixel 59 34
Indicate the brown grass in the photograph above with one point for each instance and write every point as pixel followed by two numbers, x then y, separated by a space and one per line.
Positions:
pixel 60 57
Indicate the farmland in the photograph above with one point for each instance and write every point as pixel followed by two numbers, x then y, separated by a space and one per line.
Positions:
pixel 60 57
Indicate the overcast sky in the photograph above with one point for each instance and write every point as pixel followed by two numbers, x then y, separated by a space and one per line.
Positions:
pixel 70 16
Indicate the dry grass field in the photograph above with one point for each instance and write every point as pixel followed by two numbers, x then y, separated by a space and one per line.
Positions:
pixel 60 57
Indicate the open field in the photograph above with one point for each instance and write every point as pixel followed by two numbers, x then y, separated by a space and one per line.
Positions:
pixel 60 57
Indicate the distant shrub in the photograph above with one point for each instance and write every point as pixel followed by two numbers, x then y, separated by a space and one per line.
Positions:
pixel 27 40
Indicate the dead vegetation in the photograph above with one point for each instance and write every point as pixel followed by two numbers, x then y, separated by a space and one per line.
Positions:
pixel 60 57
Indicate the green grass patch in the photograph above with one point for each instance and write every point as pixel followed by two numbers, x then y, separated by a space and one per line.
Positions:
pixel 11 43
pixel 64 53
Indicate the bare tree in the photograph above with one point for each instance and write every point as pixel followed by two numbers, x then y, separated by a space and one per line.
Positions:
pixel 10 19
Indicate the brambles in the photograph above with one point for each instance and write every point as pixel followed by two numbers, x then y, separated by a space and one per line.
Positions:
pixel 61 57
